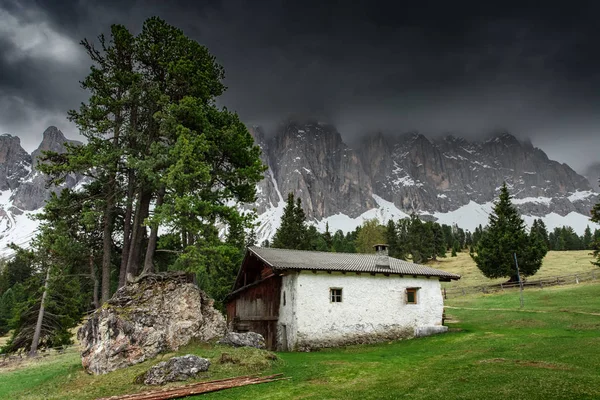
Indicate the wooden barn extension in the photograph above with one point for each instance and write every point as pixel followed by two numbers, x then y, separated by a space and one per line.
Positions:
pixel 254 303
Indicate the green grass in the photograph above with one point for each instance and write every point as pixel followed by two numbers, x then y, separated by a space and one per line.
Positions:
pixel 556 263
pixel 548 350
pixel 62 377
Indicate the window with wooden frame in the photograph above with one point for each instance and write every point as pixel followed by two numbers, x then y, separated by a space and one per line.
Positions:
pixel 411 295
pixel 335 295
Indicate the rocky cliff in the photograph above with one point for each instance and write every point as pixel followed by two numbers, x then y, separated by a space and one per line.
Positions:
pixel 390 176
pixel 449 179
pixel 24 189
pixel 592 173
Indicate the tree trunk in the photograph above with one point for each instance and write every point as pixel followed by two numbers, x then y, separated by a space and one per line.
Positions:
pixel 107 237
pixel 38 326
pixel 138 228
pixel 149 259
pixel 95 281
pixel 127 228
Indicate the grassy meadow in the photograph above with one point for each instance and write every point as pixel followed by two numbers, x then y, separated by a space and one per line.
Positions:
pixel 550 349
pixel 556 263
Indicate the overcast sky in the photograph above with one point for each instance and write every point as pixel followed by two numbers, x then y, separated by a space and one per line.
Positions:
pixel 449 66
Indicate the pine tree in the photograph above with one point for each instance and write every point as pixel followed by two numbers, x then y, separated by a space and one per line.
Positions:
pixel 504 236
pixel 292 232
pixel 421 240
pixel 587 239
pixel 391 237
pixel 539 227
pixel 154 135
pixel 439 243
pixel 327 237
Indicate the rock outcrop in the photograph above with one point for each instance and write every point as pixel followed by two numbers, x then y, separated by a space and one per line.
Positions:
pixel 174 370
pixel 311 160
pixel 34 190
pixel 159 313
pixel 15 163
pixel 592 173
pixel 244 339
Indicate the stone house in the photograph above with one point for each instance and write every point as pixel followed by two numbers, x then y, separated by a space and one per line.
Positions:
pixel 300 300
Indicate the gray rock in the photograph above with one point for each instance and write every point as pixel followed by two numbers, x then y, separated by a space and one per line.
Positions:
pixel 311 160
pixel 430 330
pixel 15 163
pixel 175 369
pixel 159 313
pixel 245 339
pixel 53 140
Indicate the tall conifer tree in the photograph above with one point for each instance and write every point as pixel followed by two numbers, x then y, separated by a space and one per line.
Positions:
pixel 504 236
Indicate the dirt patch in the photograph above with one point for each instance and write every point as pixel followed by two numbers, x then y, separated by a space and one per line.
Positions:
pixel 527 363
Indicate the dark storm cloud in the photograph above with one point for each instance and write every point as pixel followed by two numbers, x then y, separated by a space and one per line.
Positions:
pixel 364 65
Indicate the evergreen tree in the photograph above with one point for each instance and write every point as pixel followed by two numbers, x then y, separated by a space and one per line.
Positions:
pixel 391 238
pixel 455 248
pixel 421 240
pixel 504 236
pixel 292 232
pixel 327 237
pixel 587 239
pixel 539 227
pixel 439 243
pixel 154 135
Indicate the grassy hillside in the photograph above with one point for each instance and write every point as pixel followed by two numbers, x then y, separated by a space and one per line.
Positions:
pixel 550 349
pixel 556 263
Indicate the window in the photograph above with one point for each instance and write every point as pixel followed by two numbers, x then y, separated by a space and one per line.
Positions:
pixel 335 294
pixel 411 295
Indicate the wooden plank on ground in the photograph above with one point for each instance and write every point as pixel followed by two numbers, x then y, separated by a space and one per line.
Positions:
pixel 198 388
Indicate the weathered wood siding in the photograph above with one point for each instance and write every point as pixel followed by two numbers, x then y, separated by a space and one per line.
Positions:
pixel 256 309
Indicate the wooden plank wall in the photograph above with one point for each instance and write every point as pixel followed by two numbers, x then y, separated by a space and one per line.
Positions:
pixel 256 309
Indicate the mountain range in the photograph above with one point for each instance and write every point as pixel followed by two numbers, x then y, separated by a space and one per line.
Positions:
pixel 448 179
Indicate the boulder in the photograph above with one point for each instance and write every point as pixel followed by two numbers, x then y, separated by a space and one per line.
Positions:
pixel 246 339
pixel 158 313
pixel 175 369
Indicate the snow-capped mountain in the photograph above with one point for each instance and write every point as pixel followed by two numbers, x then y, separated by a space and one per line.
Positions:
pixel 23 190
pixel 450 180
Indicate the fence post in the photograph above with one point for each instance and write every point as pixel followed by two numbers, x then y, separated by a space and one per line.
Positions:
pixel 557 280
pixel 463 291
pixel 593 276
pixel 576 279
pixel 445 296
pixel 501 286
pixel 541 284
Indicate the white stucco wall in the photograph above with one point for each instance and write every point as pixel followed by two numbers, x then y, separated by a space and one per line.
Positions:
pixel 373 308
pixel 287 323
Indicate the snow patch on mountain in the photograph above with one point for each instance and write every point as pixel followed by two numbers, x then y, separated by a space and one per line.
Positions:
pixel 385 211
pixel 581 195
pixel 16 226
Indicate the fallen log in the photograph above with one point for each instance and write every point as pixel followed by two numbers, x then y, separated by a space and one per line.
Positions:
pixel 198 388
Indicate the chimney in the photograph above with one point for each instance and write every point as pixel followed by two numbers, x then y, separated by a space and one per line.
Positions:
pixel 382 260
